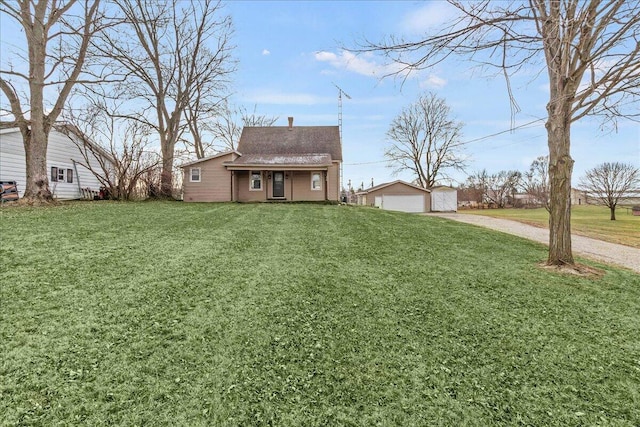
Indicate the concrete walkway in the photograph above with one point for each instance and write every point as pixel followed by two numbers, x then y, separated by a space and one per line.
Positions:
pixel 611 253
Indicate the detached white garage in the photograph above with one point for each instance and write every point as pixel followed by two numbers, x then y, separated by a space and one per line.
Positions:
pixel 397 196
pixel 444 199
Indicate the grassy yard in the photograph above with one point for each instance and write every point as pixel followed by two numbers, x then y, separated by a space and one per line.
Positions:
pixel 173 314
pixel 586 220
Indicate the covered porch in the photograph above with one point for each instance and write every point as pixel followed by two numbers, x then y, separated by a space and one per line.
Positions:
pixel 281 178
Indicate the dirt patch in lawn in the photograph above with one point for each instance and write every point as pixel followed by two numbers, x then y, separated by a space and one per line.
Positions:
pixel 574 270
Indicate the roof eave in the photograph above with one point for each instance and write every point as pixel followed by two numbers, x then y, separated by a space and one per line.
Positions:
pixel 205 159
pixel 275 167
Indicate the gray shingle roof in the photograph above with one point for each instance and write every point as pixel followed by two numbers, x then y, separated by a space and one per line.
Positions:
pixel 299 140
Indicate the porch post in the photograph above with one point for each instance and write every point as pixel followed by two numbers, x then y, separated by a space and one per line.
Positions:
pixel 326 184
pixel 232 185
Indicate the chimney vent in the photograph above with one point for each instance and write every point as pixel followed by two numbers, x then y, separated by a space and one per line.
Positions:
pixel 290 123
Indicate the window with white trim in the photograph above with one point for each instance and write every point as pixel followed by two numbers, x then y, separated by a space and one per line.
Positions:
pixel 61 175
pixel 316 181
pixel 255 183
pixel 195 174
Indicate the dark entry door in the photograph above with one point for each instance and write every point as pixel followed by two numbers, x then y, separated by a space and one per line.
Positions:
pixel 278 184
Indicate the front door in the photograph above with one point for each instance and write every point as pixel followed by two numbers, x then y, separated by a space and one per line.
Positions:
pixel 278 184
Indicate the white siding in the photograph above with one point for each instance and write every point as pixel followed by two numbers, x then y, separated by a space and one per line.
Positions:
pixel 61 153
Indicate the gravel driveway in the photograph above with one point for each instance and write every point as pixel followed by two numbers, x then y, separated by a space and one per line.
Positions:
pixel 611 253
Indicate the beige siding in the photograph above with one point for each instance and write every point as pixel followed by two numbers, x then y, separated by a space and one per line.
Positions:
pixel 398 189
pixel 215 181
pixel 302 186
pixel 243 191
pixel 333 182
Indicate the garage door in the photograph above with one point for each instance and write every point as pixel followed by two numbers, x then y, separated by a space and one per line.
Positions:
pixel 444 201
pixel 405 203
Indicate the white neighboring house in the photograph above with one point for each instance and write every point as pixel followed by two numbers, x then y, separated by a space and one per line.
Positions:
pixel 67 177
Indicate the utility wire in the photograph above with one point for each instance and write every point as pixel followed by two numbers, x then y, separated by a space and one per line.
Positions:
pixel 482 138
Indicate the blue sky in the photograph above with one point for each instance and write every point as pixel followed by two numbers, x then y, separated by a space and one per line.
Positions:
pixel 290 57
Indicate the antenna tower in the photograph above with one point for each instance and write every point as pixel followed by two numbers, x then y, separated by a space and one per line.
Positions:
pixel 340 93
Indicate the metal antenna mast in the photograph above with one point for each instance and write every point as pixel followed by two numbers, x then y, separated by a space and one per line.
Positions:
pixel 340 93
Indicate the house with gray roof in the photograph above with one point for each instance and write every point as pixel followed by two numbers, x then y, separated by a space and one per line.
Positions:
pixel 274 163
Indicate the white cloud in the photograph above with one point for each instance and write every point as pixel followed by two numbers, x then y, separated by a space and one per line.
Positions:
pixel 433 81
pixel 433 15
pixel 266 52
pixel 326 56
pixel 365 65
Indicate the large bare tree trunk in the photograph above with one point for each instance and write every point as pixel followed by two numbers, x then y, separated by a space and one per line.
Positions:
pixel 562 90
pixel 166 177
pixel 35 149
pixel 560 169
pixel 37 137
pixel 56 41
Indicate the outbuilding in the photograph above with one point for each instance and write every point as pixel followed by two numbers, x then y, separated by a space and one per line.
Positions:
pixel 444 199
pixel 396 196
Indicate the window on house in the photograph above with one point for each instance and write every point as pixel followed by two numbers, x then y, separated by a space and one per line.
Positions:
pixel 195 174
pixel 61 175
pixel 316 181
pixel 256 181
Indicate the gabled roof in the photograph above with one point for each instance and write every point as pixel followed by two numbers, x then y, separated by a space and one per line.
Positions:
pixel 214 156
pixel 295 140
pixel 71 131
pixel 388 184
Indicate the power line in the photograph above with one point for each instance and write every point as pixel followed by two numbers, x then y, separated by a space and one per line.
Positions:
pixel 501 132
pixel 524 125
pixel 365 163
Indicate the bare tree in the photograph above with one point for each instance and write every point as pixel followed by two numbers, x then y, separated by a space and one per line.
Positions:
pixel 503 186
pixel 590 52
pixel 536 181
pixel 425 140
pixel 199 113
pixel 221 132
pixel 609 182
pixel 497 189
pixel 228 128
pixel 475 187
pixel 121 147
pixel 176 56
pixel 58 34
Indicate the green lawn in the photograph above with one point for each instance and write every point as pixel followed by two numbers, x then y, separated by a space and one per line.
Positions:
pixel 586 220
pixel 174 314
